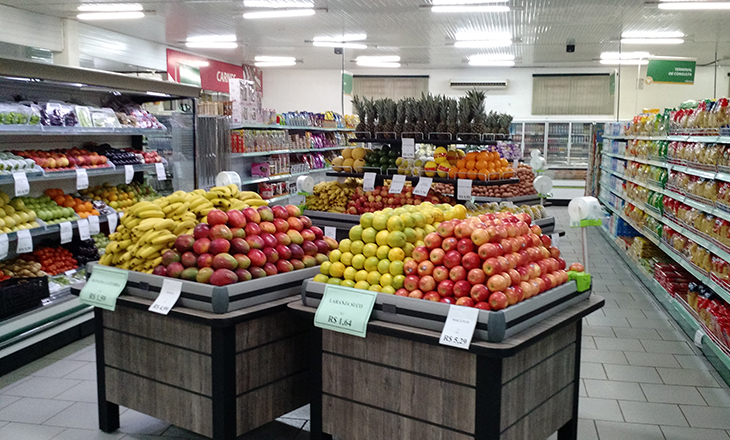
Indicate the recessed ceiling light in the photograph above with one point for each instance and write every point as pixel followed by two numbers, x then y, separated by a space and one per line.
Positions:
pixel 624 55
pixel 110 7
pixel 652 40
pixel 625 62
pixel 390 61
pixel 346 37
pixel 278 4
pixel 275 63
pixel 676 5
pixel 266 58
pixel 339 44
pixel 475 35
pixel 215 38
pixel 494 60
pixel 476 44
pixel 652 34
pixel 212 44
pixel 470 8
pixel 279 13
pixel 110 15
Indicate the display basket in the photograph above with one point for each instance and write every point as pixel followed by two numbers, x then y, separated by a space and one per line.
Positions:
pixel 219 299
pixel 18 295
pixel 492 326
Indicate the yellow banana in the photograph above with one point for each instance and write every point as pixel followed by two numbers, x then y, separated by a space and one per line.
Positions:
pixel 105 259
pixel 149 224
pixel 167 224
pixel 256 202
pixel 234 189
pixel 182 209
pixel 125 244
pixel 211 195
pixel 164 239
pixel 149 213
pixel 245 195
pixel 146 251
pixel 184 226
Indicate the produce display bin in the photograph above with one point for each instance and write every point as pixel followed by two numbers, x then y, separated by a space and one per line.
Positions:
pixel 493 326
pixel 343 222
pixel 18 295
pixel 217 299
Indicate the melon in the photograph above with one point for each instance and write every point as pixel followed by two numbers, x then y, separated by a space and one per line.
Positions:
pixel 347 165
pixel 337 163
pixel 347 153
pixel 359 164
pixel 358 153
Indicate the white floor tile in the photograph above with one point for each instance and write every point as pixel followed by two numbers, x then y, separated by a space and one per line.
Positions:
pixel 652 413
pixel 672 394
pixel 606 389
pixel 707 417
pixel 79 415
pixel 631 373
pixel 87 434
pixel 599 409
pixel 679 433
pixel 31 410
pixel 22 431
pixel 133 422
pixel 717 397
pixel 626 431
pixel 41 387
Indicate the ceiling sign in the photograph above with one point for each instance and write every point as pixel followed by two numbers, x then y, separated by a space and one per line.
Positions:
pixel 671 71
pixel 214 75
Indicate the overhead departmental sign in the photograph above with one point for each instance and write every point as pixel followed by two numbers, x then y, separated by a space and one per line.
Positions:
pixel 671 71
pixel 212 75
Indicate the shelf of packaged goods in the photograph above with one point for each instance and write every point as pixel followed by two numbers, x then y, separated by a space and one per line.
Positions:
pixel 655 163
pixel 717 212
pixel 71 174
pixel 634 181
pixel 288 127
pixel 415 179
pixel 270 153
pixel 42 130
pixel 441 143
pixel 713 139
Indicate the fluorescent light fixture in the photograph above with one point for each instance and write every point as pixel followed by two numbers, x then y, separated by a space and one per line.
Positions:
pixel 346 37
pixel 110 15
pixel 624 55
pixel 494 60
pixel 652 41
pixel 473 36
pixel 470 8
pixel 652 34
pixel 686 6
pixel 491 63
pixel 277 4
pixel 275 63
pixel 478 44
pixel 279 13
pixel 377 64
pixel 464 2
pixel 164 95
pixel 110 7
pixel 339 44
pixel 382 59
pixel 211 44
pixel 626 62
pixel 211 38
pixel 264 58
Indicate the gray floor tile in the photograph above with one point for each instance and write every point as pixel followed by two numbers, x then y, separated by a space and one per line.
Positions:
pixel 652 413
pixel 41 387
pixel 618 344
pixel 79 415
pixel 626 431
pixel 28 432
pixel 619 297
pixel 679 433
pixel 606 389
pixel 133 422
pixel 595 330
pixel 639 305
pixel 608 321
pixel 707 417
pixel 87 372
pixel 274 430
pixel 7 400
pixel 174 431
pixel 717 397
pixel 632 373
pixel 587 430
pixel 652 359
pixel 88 355
pixel 697 378
pixel 60 368
pixel 83 392
pixel 662 324
pixel 637 333
pixel 622 289
pixel 87 434
pixel 72 349
pixel 670 347
pixel 610 304
pixel 582 389
pixel 31 410
pixel 587 342
pixel 603 356
pixel 599 409
pixel 672 394
pixel 592 371
pixel 693 362
pixel 626 313
pixel 10 380
pixel 299 413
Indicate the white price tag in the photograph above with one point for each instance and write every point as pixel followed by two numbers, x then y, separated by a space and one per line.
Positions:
pixel 22 187
pixel 3 246
pixel 112 219
pixel 128 174
pixel 67 232
pixel 82 179
pixel 169 294
pixel 70 273
pixel 368 182
pixel 459 327
pixel 515 164
pixel 464 189
pixel 396 185
pixel 555 239
pixel 84 233
pixel 698 337
pixel 408 148
pixel 160 168
pixel 423 186
pixel 330 231
pixel 94 225
pixel 25 242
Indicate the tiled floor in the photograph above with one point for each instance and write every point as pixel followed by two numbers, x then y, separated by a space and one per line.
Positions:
pixel 642 378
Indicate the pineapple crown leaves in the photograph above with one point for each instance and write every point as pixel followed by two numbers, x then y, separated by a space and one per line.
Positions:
pixel 401 111
pixel 464 111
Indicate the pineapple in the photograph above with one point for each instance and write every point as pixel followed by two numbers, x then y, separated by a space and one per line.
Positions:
pixel 409 127
pixel 372 116
pixel 452 115
pixel 443 108
pixel 400 118
pixel 476 99
pixel 360 107
pixel 387 122
pixel 421 125
pixel 464 118
pixel 380 110
pixel 505 121
pixel 430 116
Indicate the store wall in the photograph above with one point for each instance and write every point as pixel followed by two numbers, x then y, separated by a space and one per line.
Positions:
pixel 303 89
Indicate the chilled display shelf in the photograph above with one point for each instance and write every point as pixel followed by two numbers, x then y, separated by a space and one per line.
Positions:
pixel 441 143
pixel 279 177
pixel 76 131
pixel 288 127
pixel 280 198
pixel 71 174
pixel 714 139
pixel 269 153
pixel 435 179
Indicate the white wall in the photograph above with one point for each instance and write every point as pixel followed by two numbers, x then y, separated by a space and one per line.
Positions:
pixel 318 90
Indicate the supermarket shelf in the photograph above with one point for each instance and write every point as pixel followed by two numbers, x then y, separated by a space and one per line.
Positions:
pixel 269 153
pixel 679 138
pixel 673 167
pixel 71 174
pixel 634 181
pixel 280 177
pixel 435 179
pixel 42 130
pixel 435 142
pixel 288 127
pixel 280 198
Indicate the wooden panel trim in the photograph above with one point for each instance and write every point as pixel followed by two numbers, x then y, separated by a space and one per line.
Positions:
pixel 532 419
pixel 391 367
pixel 270 362
pixel 272 382
pixel 157 341
pixel 536 353
pixel 131 373
pixel 294 335
pixel 405 416
pixel 556 353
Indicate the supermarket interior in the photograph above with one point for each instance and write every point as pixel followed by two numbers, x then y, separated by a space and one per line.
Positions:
pixel 364 219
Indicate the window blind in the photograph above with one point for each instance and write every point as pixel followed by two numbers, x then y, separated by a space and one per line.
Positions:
pixel 587 94
pixel 393 87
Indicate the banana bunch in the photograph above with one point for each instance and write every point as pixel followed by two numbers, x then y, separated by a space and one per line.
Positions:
pixel 143 235
pixel 330 197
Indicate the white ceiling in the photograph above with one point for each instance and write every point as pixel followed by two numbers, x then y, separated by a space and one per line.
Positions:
pixel 419 36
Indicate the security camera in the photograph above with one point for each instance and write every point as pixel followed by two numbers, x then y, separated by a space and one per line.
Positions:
pixel 570 46
pixel 338 51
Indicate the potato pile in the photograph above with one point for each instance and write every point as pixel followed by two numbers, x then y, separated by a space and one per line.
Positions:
pixel 20 268
pixel 524 188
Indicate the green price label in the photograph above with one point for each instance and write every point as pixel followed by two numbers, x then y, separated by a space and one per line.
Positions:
pixel 345 310
pixel 104 287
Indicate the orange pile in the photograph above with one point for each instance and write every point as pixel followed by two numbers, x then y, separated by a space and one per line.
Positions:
pixel 82 208
pixel 482 166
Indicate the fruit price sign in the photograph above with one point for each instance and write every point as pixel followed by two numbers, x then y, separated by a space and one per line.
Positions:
pixel 67 232
pixel 94 227
pixel 330 231
pixel 345 310
pixel 459 327
pixel 169 294
pixel 368 182
pixel 3 245
pixel 128 174
pixel 396 185
pixel 423 186
pixel 25 242
pixel 463 189
pixel 104 287
pixel 83 225
pixel 408 148
pixel 112 219
pixel 82 179
pixel 22 187
pixel 160 168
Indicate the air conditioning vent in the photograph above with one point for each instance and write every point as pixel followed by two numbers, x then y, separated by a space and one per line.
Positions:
pixel 478 84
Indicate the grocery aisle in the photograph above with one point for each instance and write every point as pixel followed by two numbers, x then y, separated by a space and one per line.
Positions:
pixel 642 377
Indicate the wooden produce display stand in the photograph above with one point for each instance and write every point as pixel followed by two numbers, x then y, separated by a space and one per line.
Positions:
pixel 400 383
pixel 219 375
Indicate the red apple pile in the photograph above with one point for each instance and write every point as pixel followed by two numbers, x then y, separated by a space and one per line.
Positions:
pixel 489 262
pixel 237 246
pixel 60 160
pixel 380 198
